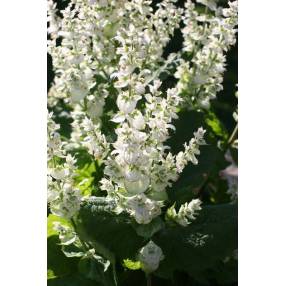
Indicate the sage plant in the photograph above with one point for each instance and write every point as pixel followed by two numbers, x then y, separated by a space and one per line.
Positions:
pixel 108 58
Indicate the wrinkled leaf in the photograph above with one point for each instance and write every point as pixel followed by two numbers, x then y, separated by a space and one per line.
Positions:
pixel 111 235
pixel 201 245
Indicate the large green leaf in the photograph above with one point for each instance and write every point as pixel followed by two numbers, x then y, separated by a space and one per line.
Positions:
pixel 113 236
pixel 198 248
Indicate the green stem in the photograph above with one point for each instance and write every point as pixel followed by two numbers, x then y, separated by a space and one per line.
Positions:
pixel 100 66
pixel 233 135
pixel 81 241
pixel 149 279
pixel 114 274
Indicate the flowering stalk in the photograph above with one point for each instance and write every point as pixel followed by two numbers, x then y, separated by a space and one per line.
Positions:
pixel 207 37
pixel 108 60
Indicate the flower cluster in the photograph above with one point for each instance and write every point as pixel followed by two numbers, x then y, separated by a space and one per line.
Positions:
pixel 114 49
pixel 139 169
pixel 207 37
pixel 124 40
pixel 94 140
pixel 64 199
pixel 186 213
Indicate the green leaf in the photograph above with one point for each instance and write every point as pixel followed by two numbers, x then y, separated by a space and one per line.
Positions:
pixel 112 235
pixel 158 196
pixel 83 158
pixel 131 265
pixel 96 268
pixel 224 273
pixel 211 161
pixel 84 178
pixel 53 218
pixel 148 230
pixel 58 264
pixel 71 280
pixel 186 125
pixel 216 126
pixel 198 247
pixel 72 250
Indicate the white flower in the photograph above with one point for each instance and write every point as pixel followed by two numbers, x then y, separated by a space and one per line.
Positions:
pixel 131 175
pixel 150 256
pixel 211 4
pixel 181 161
pixel 137 120
pixel 106 185
pixel 95 106
pixel 156 85
pixel 126 104
pixel 140 88
pixel 137 186
pixel 191 208
pixel 58 173
pixel 78 92
pixel 142 208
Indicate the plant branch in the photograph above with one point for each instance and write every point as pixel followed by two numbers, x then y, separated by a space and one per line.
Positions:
pixel 81 241
pixel 233 135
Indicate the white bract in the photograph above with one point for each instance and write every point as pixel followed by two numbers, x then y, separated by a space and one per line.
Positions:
pixel 150 256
